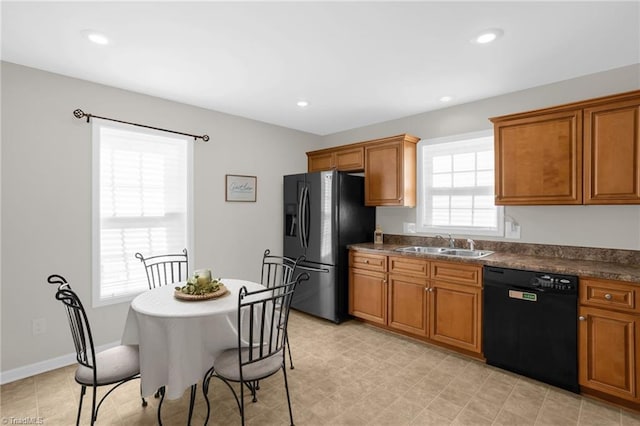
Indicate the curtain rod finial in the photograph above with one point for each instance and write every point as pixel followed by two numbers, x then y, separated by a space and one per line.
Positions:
pixel 205 138
pixel 78 113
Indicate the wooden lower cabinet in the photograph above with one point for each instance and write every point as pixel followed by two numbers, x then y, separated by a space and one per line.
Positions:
pixel 609 338
pixel 407 298
pixel 609 351
pixel 455 315
pixel 408 304
pixel 368 295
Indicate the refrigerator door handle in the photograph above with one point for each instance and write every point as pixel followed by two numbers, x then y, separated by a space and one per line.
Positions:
pixel 300 218
pixel 305 216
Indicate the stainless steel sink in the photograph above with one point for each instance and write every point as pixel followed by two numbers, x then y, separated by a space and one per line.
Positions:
pixel 422 249
pixel 445 251
pixel 467 253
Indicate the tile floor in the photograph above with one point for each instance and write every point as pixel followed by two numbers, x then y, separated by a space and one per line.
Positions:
pixel 348 374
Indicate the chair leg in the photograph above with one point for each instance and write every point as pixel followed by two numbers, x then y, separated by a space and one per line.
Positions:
pixel 286 387
pixel 289 350
pixel 94 412
pixel 144 401
pixel 242 403
pixel 83 389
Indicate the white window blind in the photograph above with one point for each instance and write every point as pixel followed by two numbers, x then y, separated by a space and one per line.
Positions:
pixel 141 203
pixel 456 186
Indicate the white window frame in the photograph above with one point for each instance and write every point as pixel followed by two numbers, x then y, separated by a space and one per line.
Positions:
pixel 438 144
pixel 97 124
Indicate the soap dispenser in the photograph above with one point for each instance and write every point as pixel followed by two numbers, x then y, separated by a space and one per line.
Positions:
pixel 377 235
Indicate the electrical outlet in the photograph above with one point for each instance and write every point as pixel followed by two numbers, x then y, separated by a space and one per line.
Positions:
pixel 511 230
pixel 38 326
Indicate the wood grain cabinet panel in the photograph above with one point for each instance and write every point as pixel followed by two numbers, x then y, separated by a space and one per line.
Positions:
pixel 437 301
pixel 538 160
pixel 408 304
pixel 347 159
pixel 586 152
pixel 368 295
pixel 609 351
pixel 610 294
pixel 390 171
pixel 455 315
pixel 612 153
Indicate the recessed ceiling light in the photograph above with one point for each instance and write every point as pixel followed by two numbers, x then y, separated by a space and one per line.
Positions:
pixel 96 37
pixel 446 98
pixel 487 36
pixel 303 104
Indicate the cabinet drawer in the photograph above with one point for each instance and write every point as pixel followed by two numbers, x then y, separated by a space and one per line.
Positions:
pixel 457 273
pixel 610 294
pixel 408 266
pixel 371 262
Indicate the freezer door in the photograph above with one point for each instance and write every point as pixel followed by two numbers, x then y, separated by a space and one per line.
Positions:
pixel 317 296
pixel 294 189
pixel 320 205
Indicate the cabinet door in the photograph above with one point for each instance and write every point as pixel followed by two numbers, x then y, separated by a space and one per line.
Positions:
pixel 612 153
pixel 368 295
pixel 539 159
pixel 608 352
pixel 350 160
pixel 408 304
pixel 455 315
pixel 320 162
pixel 383 174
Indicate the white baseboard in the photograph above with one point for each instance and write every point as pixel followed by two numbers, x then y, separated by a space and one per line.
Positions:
pixel 44 366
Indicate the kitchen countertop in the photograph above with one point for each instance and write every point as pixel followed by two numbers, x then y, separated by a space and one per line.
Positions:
pixel 582 268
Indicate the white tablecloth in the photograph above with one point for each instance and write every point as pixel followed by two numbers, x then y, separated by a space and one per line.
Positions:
pixel 179 339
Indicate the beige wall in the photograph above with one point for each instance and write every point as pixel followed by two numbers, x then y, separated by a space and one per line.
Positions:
pixel 589 226
pixel 46 198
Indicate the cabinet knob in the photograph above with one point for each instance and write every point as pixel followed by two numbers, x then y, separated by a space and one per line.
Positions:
pixel 431 289
pixel 366 261
pixel 581 318
pixel 607 296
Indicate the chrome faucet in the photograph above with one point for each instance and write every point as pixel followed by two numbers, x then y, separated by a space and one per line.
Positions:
pixel 472 243
pixel 452 241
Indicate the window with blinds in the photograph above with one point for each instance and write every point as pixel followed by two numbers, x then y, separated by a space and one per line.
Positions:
pixel 456 186
pixel 141 203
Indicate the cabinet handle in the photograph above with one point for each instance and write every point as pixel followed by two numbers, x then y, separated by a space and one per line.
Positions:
pixel 607 296
pixel 431 289
pixel 366 261
pixel 581 318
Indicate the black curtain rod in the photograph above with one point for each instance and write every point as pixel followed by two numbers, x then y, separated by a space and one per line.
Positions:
pixel 80 114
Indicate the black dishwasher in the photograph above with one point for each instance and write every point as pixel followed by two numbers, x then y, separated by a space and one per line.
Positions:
pixel 530 324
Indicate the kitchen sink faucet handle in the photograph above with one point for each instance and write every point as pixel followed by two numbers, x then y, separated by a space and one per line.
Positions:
pixel 471 243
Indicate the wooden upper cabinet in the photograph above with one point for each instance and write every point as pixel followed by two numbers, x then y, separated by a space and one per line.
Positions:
pixel 612 153
pixel 390 171
pixel 350 159
pixel 586 152
pixel 538 160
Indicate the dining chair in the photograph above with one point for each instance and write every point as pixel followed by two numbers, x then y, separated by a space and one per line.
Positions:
pixel 114 366
pixel 262 320
pixel 277 270
pixel 165 268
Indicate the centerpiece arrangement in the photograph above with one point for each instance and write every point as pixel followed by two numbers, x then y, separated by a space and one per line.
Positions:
pixel 201 287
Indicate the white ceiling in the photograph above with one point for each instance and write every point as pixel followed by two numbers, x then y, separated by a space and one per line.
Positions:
pixel 357 63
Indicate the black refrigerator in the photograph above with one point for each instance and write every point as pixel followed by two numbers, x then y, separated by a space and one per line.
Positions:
pixel 323 213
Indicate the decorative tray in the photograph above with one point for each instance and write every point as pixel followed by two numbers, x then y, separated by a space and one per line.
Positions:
pixel 221 291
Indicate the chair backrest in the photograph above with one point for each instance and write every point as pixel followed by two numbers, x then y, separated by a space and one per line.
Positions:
pixel 78 322
pixel 277 270
pixel 263 316
pixel 165 268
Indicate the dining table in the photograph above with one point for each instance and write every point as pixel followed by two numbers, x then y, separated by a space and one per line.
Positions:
pixel 179 339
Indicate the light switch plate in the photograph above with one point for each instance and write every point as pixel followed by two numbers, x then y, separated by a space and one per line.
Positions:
pixel 511 230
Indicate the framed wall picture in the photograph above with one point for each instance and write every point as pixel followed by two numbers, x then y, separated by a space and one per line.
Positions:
pixel 240 188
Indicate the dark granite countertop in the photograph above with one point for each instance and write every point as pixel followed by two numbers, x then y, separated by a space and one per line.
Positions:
pixel 629 272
